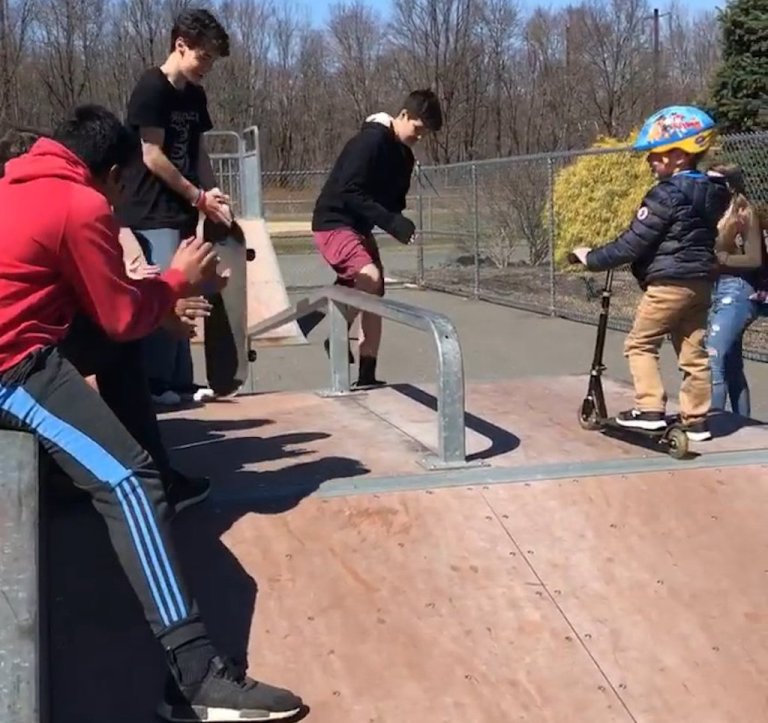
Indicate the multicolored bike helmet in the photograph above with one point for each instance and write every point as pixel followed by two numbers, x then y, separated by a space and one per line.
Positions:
pixel 677 126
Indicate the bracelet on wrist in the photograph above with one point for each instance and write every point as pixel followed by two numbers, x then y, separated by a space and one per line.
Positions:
pixel 199 201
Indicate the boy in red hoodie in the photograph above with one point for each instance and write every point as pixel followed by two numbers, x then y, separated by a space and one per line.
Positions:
pixel 56 263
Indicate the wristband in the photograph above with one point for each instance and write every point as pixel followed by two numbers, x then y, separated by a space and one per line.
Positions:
pixel 199 202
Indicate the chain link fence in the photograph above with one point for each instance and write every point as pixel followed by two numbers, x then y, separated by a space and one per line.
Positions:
pixel 488 231
pixel 499 216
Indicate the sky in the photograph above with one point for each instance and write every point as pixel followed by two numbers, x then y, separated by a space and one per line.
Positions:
pixel 318 9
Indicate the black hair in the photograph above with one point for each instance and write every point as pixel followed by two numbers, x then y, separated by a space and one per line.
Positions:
pixel 199 28
pixel 424 105
pixel 16 141
pixel 96 136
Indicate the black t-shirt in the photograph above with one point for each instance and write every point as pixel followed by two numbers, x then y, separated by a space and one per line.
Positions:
pixel 147 201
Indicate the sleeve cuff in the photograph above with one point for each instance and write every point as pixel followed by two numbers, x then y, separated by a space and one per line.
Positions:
pixel 177 281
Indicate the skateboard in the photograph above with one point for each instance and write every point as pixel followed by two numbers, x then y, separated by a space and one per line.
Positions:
pixel 227 353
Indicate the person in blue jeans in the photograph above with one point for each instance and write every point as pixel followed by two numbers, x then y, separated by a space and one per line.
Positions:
pixel 740 273
pixel 172 183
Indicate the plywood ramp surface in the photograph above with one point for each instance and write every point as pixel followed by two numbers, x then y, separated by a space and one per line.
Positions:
pixel 664 578
pixel 411 607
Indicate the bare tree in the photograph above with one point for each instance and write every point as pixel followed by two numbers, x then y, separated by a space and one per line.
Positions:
pixel 357 34
pixel 613 40
pixel 511 82
pixel 15 23
pixel 69 32
pixel 437 44
pixel 500 30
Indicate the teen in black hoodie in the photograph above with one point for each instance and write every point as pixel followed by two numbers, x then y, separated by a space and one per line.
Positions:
pixel 367 187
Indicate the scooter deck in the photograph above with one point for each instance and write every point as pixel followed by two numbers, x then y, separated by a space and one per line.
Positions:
pixel 668 440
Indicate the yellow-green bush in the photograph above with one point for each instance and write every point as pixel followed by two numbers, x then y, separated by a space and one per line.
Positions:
pixel 596 197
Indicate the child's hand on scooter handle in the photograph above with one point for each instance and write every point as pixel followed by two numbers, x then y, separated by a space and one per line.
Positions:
pixel 579 255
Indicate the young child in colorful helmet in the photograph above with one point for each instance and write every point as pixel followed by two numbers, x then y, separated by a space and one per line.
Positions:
pixel 670 245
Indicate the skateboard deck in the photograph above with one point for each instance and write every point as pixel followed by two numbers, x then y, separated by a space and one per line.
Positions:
pixel 226 337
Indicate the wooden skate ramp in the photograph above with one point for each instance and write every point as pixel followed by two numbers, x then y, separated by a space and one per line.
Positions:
pixel 382 595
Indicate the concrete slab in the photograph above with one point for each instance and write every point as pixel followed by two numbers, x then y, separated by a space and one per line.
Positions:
pixel 498 343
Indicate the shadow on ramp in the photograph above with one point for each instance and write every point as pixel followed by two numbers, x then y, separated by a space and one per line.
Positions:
pixel 502 441
pixel 724 424
pixel 91 601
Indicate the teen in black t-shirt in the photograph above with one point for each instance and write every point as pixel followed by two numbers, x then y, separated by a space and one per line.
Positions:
pixel 172 182
pixel 182 112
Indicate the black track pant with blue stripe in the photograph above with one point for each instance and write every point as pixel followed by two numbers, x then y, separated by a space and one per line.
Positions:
pixel 45 395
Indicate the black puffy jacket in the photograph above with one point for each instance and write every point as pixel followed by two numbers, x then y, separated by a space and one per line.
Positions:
pixel 673 234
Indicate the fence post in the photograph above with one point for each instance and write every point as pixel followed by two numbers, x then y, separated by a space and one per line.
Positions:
pixel 476 229
pixel 252 196
pixel 420 242
pixel 241 179
pixel 551 233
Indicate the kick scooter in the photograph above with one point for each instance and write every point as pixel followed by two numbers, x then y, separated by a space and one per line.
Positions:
pixel 593 414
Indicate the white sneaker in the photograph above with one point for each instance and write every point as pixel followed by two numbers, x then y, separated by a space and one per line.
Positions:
pixel 203 394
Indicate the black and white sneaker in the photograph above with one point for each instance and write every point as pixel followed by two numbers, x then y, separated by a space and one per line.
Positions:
pixel 636 419
pixel 227 694
pixel 698 431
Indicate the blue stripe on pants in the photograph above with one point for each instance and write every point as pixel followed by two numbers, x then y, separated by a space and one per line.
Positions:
pixel 142 526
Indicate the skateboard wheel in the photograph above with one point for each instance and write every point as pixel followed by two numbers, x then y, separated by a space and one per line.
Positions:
pixel 251 355
pixel 250 254
pixel 677 442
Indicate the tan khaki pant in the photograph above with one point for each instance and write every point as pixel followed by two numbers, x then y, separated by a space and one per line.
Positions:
pixel 679 309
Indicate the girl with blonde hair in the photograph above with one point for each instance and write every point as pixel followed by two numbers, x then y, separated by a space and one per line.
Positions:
pixel 739 273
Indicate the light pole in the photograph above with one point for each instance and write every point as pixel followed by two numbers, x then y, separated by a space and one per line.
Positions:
pixel 656 17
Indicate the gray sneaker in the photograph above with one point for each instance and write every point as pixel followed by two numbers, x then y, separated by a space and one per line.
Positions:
pixel 227 694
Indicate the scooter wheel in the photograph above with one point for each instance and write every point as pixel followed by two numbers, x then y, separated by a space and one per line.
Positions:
pixel 588 415
pixel 677 443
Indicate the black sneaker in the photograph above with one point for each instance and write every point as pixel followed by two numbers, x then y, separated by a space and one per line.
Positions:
pixel 186 491
pixel 366 376
pixel 368 384
pixel 636 419
pixel 227 694
pixel 698 431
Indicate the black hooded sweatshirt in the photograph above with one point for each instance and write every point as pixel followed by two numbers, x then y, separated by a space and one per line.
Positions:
pixel 368 184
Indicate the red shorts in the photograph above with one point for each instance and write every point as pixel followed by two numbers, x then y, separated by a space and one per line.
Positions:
pixel 346 251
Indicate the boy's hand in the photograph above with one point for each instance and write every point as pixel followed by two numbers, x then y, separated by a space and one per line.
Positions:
pixel 403 229
pixel 179 327
pixel 140 269
pixel 220 196
pixel 197 260
pixel 215 205
pixel 579 255
pixel 193 307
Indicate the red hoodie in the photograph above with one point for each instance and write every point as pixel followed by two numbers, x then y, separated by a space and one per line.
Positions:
pixel 61 254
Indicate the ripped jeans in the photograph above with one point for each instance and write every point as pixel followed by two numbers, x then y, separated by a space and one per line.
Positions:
pixel 730 314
